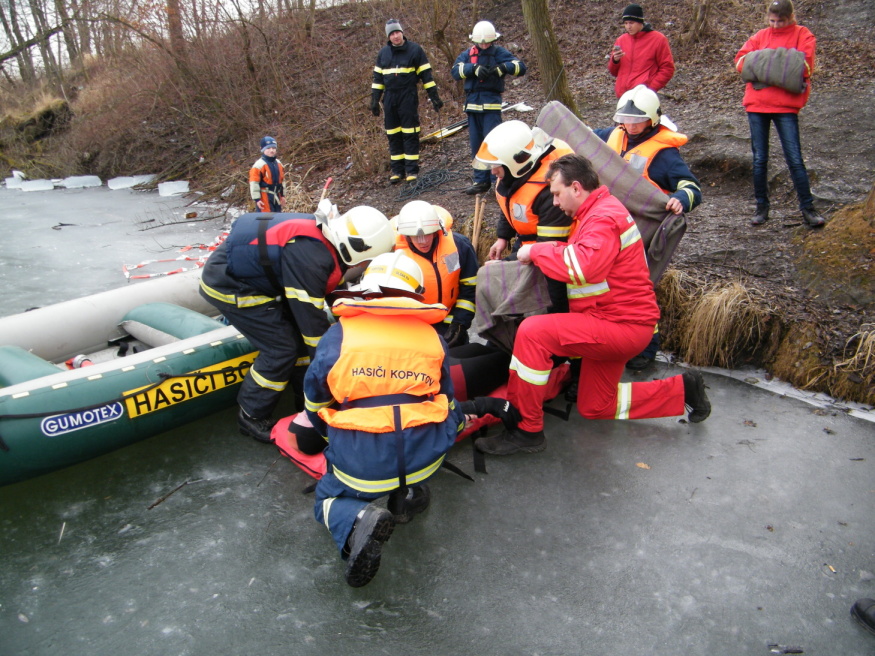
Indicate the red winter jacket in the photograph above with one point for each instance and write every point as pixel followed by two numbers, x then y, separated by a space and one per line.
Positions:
pixel 603 264
pixel 775 100
pixel 647 60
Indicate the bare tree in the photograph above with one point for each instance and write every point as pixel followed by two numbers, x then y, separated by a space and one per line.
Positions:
pixel 553 78
pixel 697 23
pixel 68 31
pixel 13 33
pixel 174 26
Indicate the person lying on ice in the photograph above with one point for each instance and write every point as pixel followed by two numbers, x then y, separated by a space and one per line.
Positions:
pixel 380 389
pixel 612 315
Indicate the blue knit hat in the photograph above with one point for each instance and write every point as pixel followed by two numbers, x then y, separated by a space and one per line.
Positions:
pixel 267 142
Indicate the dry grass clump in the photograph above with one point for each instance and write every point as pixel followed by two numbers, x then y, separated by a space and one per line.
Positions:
pixel 717 325
pixel 854 377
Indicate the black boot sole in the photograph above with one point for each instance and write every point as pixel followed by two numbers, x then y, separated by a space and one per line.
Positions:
pixel 363 563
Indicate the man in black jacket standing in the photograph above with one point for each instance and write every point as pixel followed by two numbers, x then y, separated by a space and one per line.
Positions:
pixel 401 64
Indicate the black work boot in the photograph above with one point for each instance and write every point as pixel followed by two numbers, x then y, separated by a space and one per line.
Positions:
pixel 694 396
pixel 761 216
pixel 512 441
pixel 639 363
pixel 373 527
pixel 478 188
pixel 257 429
pixel 812 219
pixel 863 611
pixel 403 508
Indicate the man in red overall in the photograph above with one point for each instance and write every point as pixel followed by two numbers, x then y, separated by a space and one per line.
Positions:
pixel 612 315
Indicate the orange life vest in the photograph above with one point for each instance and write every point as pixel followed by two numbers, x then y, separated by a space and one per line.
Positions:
pixel 440 274
pixel 390 355
pixel 641 155
pixel 517 208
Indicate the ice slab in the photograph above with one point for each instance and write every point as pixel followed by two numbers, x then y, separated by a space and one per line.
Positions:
pixel 128 181
pixel 81 181
pixel 13 183
pixel 37 185
pixel 173 188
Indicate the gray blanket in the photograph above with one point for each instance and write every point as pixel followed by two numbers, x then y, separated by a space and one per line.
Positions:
pixel 775 67
pixel 506 293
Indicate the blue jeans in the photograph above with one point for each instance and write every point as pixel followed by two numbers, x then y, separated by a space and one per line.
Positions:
pixel 787 126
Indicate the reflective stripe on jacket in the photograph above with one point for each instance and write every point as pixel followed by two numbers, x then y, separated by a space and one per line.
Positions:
pixel 399 68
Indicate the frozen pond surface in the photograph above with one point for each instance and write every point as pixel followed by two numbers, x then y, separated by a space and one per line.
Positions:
pixel 66 243
pixel 751 533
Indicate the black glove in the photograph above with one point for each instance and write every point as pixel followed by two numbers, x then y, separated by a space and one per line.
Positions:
pixel 455 335
pixel 498 71
pixel 500 408
pixel 482 72
pixel 375 104
pixel 436 101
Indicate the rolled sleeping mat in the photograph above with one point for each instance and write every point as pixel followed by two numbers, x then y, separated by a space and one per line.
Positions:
pixel 661 231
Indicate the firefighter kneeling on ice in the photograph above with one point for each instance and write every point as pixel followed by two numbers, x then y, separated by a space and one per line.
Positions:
pixel 270 278
pixel 380 389
pixel 612 315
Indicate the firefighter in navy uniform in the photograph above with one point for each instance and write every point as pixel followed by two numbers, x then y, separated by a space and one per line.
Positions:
pixel 270 278
pixel 448 263
pixel 380 389
pixel 519 157
pixel 483 68
pixel 401 64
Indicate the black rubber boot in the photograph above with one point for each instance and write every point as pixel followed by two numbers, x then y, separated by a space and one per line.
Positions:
pixel 478 188
pixel 512 441
pixel 695 397
pixel 761 216
pixel 639 363
pixel 372 529
pixel 257 429
pixel 863 611
pixel 404 508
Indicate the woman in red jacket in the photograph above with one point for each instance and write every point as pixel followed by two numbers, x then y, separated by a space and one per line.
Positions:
pixel 777 63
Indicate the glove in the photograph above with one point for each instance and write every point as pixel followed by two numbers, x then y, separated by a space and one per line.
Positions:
pixel 325 211
pixel 375 107
pixel 436 101
pixel 482 72
pixel 500 408
pixel 455 335
pixel 498 71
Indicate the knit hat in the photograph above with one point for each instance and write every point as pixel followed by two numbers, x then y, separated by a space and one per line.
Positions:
pixel 392 25
pixel 267 142
pixel 633 13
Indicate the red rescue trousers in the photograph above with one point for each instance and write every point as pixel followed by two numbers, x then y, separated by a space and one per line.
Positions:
pixel 604 347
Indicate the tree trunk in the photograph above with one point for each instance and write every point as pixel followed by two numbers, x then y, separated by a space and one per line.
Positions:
pixel 13 33
pixel 68 31
pixel 38 15
pixel 174 26
pixel 553 78
pixel 697 25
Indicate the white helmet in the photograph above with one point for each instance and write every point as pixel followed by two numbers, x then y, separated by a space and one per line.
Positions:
pixel 391 271
pixel 418 218
pixel 514 145
pixel 484 32
pixel 360 234
pixel 638 105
